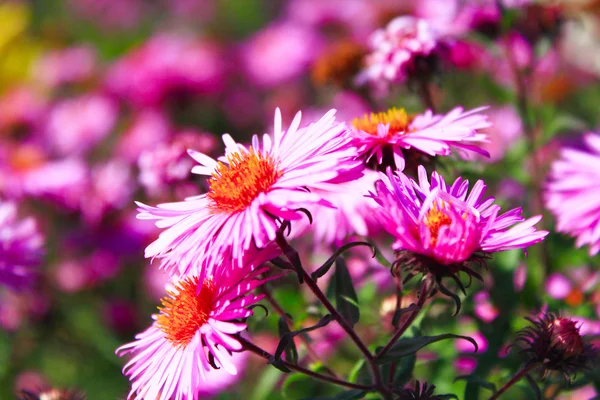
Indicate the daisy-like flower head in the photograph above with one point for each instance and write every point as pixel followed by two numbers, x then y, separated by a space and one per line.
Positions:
pixel 395 49
pixel 572 193
pixel 557 345
pixel 194 331
pixel 251 190
pixel 384 136
pixel 20 248
pixel 440 229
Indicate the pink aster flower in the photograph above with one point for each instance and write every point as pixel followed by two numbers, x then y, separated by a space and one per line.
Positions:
pixel 20 248
pixel 195 330
pixel 572 193
pixel 572 286
pixel 71 65
pixel 387 134
pixel 394 50
pixel 251 189
pixel 447 224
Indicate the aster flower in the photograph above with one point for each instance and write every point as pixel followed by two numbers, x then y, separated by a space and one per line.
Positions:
pixel 572 193
pixel 250 190
pixel 395 49
pixel 384 136
pixel 557 345
pixel 440 229
pixel 20 248
pixel 572 286
pixel 194 331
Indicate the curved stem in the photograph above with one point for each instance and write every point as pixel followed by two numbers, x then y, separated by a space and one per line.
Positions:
pixel 518 376
pixel 408 322
pixel 293 257
pixel 266 355
pixel 281 312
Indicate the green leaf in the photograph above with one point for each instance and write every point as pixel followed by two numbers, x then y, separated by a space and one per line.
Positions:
pixel 352 394
pixel 404 371
pixel 346 301
pixel 477 381
pixel 405 347
pixel 357 369
pixel 290 380
pixel 323 269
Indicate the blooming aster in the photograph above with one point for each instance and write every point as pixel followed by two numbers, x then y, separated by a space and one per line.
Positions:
pixel 194 331
pixel 395 49
pixel 251 189
pixel 448 225
pixel 387 134
pixel 20 248
pixel 572 193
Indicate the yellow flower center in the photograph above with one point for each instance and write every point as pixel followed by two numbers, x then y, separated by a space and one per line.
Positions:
pixel 235 185
pixel 185 311
pixel 436 218
pixel 398 120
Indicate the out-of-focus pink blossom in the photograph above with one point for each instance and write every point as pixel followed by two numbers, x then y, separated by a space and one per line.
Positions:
pixel 520 277
pixel 573 285
pixel 30 380
pixel 464 346
pixel 279 53
pixel 467 55
pixel 572 193
pixel 586 392
pixel 506 128
pixel 76 274
pixel 147 130
pixel 203 10
pixel 465 365
pixel 78 124
pixel 483 308
pixel 70 65
pixel 219 380
pixel 20 107
pixel 121 316
pixel 394 50
pixel 167 64
pixel 169 163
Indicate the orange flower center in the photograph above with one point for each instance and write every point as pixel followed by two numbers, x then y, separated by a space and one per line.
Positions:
pixel 338 64
pixel 398 120
pixel 184 311
pixel 575 298
pixel 235 185
pixel 435 219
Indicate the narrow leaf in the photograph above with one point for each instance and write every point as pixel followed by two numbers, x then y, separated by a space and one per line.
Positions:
pixel 405 347
pixel 346 301
pixel 323 269
pixel 400 312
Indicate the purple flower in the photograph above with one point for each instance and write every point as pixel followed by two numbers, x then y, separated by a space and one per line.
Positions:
pixel 71 65
pixel 572 193
pixel 394 50
pixel 167 64
pixel 20 248
pixel 77 124
pixel 279 53
pixel 572 286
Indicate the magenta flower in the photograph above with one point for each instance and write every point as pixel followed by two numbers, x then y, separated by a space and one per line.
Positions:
pixel 167 64
pixel 394 50
pixel 446 225
pixel 251 189
pixel 572 193
pixel 71 65
pixel 195 330
pixel 389 133
pixel 572 286
pixel 20 248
